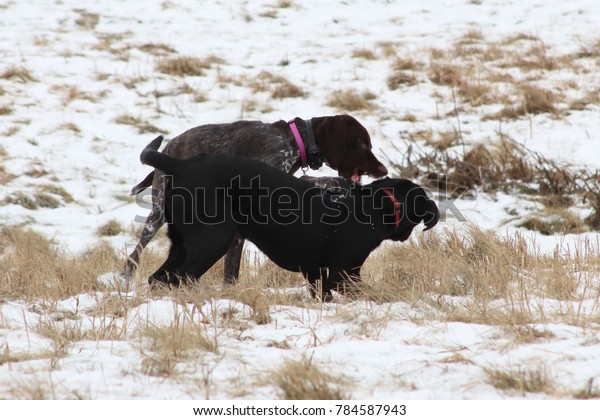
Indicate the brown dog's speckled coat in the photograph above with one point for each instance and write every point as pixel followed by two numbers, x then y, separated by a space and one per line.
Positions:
pixel 344 143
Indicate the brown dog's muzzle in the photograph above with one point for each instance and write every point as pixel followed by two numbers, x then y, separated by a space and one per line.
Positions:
pixel 369 166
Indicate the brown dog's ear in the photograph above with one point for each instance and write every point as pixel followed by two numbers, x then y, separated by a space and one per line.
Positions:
pixel 330 133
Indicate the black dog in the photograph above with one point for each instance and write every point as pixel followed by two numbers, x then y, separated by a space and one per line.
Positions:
pixel 300 227
pixel 340 142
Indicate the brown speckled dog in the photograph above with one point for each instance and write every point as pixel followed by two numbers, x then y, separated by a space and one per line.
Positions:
pixel 343 143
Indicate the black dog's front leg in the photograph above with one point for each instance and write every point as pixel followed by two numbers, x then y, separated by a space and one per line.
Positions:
pixel 318 282
pixel 345 282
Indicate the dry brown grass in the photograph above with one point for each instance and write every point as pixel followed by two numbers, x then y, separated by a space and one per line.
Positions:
pixel 401 78
pixel 477 264
pixel 45 196
pixel 508 71
pixel 364 53
pixel 555 221
pixel 6 110
pixel 20 73
pixel 278 86
pixel 33 267
pixel 156 49
pixel 483 270
pixel 186 65
pixel 110 228
pixel 522 380
pixel 87 20
pixel 302 380
pixel 35 200
pixel 169 345
pixel 142 125
pixel 503 165
pixel 532 100
pixel 71 93
pixel 5 176
pixel 352 100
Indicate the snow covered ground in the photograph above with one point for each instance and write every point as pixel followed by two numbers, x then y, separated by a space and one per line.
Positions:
pixel 81 93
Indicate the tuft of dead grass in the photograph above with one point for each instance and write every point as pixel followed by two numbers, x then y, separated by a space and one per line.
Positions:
pixel 169 345
pixel 352 100
pixel 20 73
pixel 555 221
pixel 302 380
pixel 182 66
pixel 87 20
pixel 5 176
pixel 278 86
pixel 477 264
pixel 32 267
pixel 475 276
pixel 142 125
pixel 446 74
pixel 6 110
pixel 533 100
pixel 522 380
pixel 502 165
pixel 401 78
pixel 156 49
pixel 110 228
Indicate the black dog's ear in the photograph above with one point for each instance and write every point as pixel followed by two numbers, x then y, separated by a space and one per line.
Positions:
pixel 431 214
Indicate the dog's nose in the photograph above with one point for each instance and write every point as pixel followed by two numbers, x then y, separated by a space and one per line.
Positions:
pixel 383 170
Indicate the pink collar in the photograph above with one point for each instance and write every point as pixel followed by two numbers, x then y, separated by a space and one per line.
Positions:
pixel 397 206
pixel 300 143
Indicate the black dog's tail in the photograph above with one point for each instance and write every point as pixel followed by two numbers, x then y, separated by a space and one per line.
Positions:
pixel 151 156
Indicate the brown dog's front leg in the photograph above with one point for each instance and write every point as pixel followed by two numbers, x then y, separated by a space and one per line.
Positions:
pixel 233 258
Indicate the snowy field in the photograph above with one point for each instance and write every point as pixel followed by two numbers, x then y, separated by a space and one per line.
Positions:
pixel 83 87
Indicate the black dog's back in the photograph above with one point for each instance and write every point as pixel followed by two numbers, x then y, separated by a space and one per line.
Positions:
pixel 298 225
pixel 218 167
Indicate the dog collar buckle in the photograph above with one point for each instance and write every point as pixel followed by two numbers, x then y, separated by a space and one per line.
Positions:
pixel 397 206
pixel 314 157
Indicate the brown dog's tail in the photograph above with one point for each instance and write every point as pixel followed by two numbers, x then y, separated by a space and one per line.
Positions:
pixel 146 183
pixel 151 156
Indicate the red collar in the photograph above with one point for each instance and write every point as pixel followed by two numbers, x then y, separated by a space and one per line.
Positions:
pixel 397 206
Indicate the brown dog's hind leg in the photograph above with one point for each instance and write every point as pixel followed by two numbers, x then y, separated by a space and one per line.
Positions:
pixel 153 223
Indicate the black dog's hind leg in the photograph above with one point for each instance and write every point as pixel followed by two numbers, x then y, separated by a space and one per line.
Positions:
pixel 167 272
pixel 203 250
pixel 233 258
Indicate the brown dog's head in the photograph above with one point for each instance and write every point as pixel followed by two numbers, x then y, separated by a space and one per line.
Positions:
pixel 346 145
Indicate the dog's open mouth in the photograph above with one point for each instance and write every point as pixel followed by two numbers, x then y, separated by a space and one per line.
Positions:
pixel 355 177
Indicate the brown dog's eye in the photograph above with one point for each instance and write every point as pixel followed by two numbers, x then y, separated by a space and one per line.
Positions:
pixel 363 143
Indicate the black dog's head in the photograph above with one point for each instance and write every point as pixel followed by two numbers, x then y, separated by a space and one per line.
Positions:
pixel 415 207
